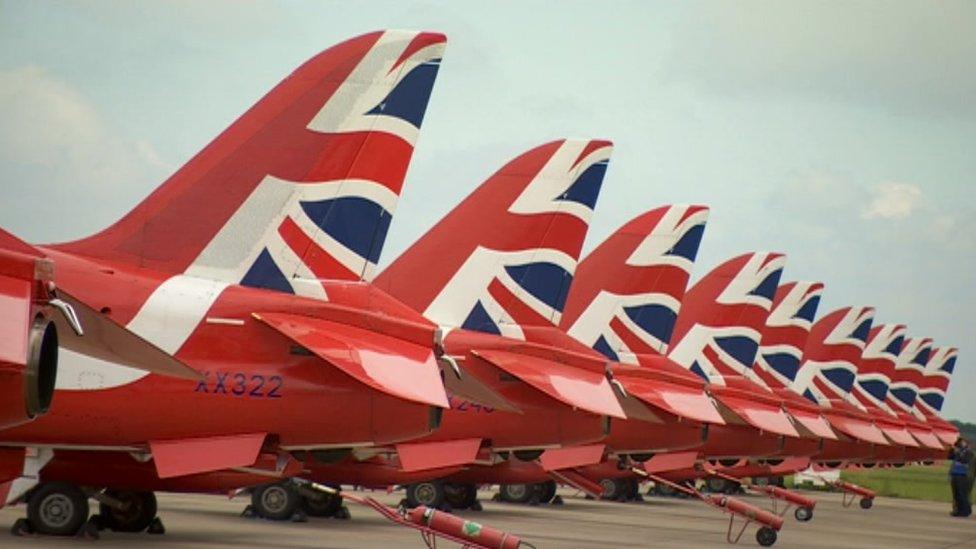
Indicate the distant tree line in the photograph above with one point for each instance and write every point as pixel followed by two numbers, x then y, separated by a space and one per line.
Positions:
pixel 966 430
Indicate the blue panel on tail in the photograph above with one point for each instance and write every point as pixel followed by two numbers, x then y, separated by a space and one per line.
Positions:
pixel 767 288
pixel 601 346
pixel 546 281
pixel 687 247
pixel 480 321
pixel 809 309
pixel 904 394
pixel 408 100
pixel 742 349
pixel 657 320
pixel 586 188
pixel 266 274
pixel 876 388
pixel 357 223
pixel 785 364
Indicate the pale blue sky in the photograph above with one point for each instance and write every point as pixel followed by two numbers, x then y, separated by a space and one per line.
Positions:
pixel 845 137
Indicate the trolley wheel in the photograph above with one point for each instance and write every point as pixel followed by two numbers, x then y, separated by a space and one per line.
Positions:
pixel 546 490
pixel 803 514
pixel 322 505
pixel 429 494
pixel 57 509
pixel 275 501
pixel 516 493
pixel 461 496
pixel 867 503
pixel 138 514
pixel 766 536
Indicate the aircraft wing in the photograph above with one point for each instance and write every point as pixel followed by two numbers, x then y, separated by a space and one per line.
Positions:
pixel 188 456
pixel 555 459
pixel 856 428
pixel 387 364
pixel 813 422
pixel 681 401
pixel 107 340
pixel 583 389
pixel 761 415
pixel 422 456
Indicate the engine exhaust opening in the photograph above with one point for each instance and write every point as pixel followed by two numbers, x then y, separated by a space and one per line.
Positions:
pixel 42 367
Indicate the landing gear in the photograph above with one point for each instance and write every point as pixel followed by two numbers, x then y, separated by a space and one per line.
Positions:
pixel 766 536
pixel 866 503
pixel 546 491
pixel 429 494
pixel 516 493
pixel 803 514
pixel 612 489
pixel 717 485
pixel 135 514
pixel 275 501
pixel 461 496
pixel 321 504
pixel 57 509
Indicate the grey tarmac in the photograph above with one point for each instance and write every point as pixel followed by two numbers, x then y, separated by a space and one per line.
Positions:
pixel 214 521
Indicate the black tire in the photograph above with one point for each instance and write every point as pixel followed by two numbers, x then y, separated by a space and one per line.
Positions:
pixel 516 493
pixel 730 462
pixel 57 509
pixel 641 458
pixel 323 505
pixel 867 503
pixel 546 490
pixel 717 485
pixel 138 514
pixel 803 514
pixel 277 501
pixel 766 536
pixel 429 494
pixel 612 489
pixel 527 455
pixel 460 496
pixel 761 481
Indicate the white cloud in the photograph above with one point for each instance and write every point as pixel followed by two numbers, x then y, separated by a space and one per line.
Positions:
pixel 892 201
pixel 59 157
pixel 905 57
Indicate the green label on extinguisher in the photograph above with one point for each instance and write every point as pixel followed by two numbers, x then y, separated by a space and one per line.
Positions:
pixel 472 529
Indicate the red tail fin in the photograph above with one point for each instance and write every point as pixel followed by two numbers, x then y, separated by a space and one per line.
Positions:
pixel 504 257
pixel 722 317
pixel 300 187
pixel 627 292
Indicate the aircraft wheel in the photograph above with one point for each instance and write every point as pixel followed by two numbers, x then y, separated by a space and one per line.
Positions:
pixel 761 481
pixel 803 514
pixel 766 536
pixel 641 457
pixel 516 493
pixel 547 491
pixel 138 514
pixel 866 503
pixel 665 490
pixel 527 455
pixel 322 505
pixel 716 485
pixel 429 494
pixel 275 501
pixel 460 496
pixel 611 488
pixel 57 509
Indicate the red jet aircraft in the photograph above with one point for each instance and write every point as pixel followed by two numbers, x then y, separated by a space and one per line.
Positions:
pixel 245 265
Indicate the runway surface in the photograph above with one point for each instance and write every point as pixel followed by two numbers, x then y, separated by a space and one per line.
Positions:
pixel 213 521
